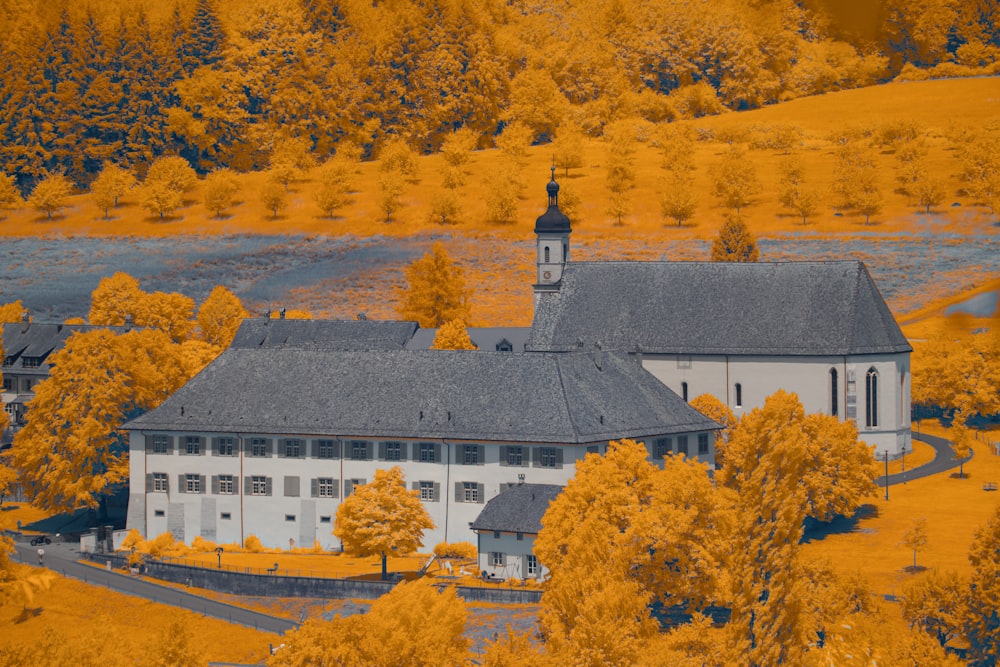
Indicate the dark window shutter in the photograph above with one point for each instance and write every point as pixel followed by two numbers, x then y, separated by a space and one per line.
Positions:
pixel 369 451
pixel 381 451
pixel 313 488
pixel 282 445
pixel 481 454
pixel 336 449
pixel 459 496
pixel 314 450
pixel 202 446
pixel 236 484
pixel 348 487
pixel 402 451
pixel 170 444
pixel 149 443
pixel 536 456
pixel 268 486
pixel 149 479
pixel 215 446
pixel 437 452
pixel 247 484
pixel 267 447
pixel 215 484
pixel 292 487
pixel 504 449
pixel 559 457
pixel 480 493
pixel 201 484
pixel 181 485
pixel 437 491
pixel 336 488
pixel 415 486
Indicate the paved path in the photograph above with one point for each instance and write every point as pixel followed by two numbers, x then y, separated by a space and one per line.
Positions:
pixel 62 558
pixel 944 460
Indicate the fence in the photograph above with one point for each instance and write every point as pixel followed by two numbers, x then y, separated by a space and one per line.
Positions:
pixel 289 583
pixel 986 437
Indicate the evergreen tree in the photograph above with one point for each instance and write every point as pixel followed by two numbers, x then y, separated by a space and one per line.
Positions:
pixel 734 243
pixel 205 38
pixel 436 291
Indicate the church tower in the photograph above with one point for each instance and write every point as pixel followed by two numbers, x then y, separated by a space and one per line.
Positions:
pixel 552 229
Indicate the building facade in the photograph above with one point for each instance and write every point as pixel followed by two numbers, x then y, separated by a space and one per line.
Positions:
pixel 506 530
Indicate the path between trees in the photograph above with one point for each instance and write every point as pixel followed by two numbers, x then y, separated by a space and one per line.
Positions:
pixel 944 460
pixel 62 558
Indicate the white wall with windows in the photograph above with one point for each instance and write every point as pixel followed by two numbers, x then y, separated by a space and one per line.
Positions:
pixel 508 556
pixel 835 385
pixel 286 490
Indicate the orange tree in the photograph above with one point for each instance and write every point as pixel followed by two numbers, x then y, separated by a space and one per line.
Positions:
pixel 382 517
pixel 437 293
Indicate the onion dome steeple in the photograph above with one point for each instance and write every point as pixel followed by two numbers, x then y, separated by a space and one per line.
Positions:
pixel 553 220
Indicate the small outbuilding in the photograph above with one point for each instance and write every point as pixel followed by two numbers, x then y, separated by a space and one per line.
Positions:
pixel 506 530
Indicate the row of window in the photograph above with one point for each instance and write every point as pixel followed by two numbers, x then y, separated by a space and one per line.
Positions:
pixel 530 563
pixel 320 487
pixel 665 446
pixel 226 516
pixel 355 450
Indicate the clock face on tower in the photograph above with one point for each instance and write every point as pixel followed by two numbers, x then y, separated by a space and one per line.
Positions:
pixel 546 274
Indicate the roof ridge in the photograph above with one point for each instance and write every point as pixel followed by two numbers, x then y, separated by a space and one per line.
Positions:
pixel 564 403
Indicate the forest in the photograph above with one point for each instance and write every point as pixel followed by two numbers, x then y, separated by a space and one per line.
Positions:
pixel 223 83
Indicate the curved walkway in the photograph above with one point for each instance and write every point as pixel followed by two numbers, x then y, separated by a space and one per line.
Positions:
pixel 944 460
pixel 62 558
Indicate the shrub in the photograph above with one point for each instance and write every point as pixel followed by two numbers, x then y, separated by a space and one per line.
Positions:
pixel 202 545
pixel 164 542
pixel 133 539
pixel 456 550
pixel 252 544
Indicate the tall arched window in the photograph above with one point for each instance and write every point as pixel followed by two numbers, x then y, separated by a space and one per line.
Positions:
pixel 546 254
pixel 833 392
pixel 684 391
pixel 739 395
pixel 871 398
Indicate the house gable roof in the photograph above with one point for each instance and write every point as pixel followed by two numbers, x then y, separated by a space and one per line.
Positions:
pixel 460 395
pixel 323 334
pixel 518 509
pixel 38 340
pixel 783 308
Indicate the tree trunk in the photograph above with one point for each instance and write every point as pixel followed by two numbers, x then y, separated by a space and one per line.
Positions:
pixel 385 575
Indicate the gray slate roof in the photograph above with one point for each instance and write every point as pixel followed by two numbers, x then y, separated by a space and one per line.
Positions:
pixel 518 509
pixel 484 338
pixel 38 340
pixel 479 396
pixel 323 334
pixel 789 308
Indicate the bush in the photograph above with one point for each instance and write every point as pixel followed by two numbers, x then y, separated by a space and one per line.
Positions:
pixel 252 544
pixel 202 545
pixel 164 542
pixel 133 539
pixel 456 550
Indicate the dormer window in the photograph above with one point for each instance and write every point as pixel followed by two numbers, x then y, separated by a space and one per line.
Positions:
pixel 31 362
pixel 505 346
pixel 8 360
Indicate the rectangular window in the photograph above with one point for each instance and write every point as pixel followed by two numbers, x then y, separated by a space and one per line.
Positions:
pixel 258 485
pixel 224 446
pixel 428 492
pixel 498 559
pixel 428 452
pixel 291 487
pixel 393 451
pixel 325 519
pixel 703 443
pixel 226 516
pixel 662 447
pixel 159 513
pixel 293 448
pixel 8 384
pixel 258 447
pixel 31 362
pixel 160 484
pixel 470 492
pixel 520 537
pixel 470 455
pixel 547 457
pixel 326 488
pixel 226 485
pixel 496 534
pixel 359 450
pixel 593 449
pixel 324 449
pixel 289 517
pixel 161 444
pixel 682 445
pixel 192 444
pixel 192 483
pixel 515 456
pixel 531 566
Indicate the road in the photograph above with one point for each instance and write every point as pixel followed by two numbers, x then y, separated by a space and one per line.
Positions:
pixel 944 460
pixel 62 558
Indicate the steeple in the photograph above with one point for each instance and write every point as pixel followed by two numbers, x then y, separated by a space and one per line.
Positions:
pixel 552 229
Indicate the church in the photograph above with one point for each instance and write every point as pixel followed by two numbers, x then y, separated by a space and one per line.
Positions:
pixel 271 436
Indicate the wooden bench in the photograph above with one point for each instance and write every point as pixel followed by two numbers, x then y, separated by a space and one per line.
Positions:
pixel 989 486
pixel 272 570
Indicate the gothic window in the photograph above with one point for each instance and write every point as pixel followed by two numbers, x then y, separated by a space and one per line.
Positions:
pixel 833 392
pixel 871 398
pixel 739 395
pixel 684 391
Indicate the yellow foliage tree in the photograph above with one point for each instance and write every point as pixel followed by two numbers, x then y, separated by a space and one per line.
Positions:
pixel 719 412
pixel 414 625
pixel 49 196
pixel 622 533
pixel 983 624
pixel 915 538
pixel 69 453
pixel 961 440
pixel 734 180
pixel 19 583
pixel 382 517
pixel 734 243
pixel 219 316
pixel 936 605
pixel 436 292
pixel 453 336
pixel 119 297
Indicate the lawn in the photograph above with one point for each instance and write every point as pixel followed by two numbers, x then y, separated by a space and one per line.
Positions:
pixel 954 508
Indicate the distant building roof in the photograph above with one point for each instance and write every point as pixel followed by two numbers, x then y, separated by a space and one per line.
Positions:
pixel 486 339
pixel 323 334
pixel 518 509
pixel 790 308
pixel 36 341
pixel 478 396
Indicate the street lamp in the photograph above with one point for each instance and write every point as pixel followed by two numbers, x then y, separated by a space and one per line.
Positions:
pixel 218 554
